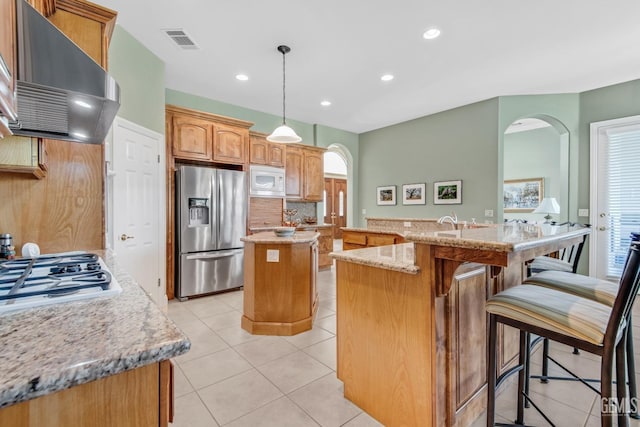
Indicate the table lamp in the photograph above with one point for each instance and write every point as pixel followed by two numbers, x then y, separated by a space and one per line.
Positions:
pixel 549 205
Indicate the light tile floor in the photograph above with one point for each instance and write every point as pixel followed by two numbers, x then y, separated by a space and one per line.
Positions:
pixel 233 378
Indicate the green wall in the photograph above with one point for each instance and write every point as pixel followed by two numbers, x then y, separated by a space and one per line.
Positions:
pixel 140 75
pixel 458 144
pixel 611 102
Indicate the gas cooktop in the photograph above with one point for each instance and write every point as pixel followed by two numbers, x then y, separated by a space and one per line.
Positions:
pixel 51 279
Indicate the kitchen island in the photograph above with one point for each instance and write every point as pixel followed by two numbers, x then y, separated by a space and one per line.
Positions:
pixel 411 321
pixel 99 362
pixel 280 296
pixel 325 240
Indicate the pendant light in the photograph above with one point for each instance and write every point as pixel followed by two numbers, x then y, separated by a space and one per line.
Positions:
pixel 283 133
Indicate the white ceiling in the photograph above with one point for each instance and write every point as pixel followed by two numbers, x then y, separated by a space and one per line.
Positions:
pixel 340 48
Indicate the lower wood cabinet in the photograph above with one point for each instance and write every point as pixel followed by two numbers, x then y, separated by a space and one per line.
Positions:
pixel 280 295
pixel 352 239
pixel 139 397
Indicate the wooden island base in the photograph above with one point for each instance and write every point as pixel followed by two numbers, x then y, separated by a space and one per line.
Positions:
pixel 411 320
pixel 280 296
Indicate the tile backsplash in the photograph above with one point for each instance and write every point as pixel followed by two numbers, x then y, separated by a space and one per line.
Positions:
pixel 304 209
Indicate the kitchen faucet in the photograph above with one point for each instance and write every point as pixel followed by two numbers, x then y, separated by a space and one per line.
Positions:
pixel 453 219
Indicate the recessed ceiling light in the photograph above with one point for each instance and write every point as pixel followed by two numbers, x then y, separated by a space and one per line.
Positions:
pixel 325 103
pixel 431 33
pixel 387 77
pixel 242 77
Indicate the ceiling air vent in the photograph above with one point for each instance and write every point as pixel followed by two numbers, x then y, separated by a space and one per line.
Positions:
pixel 181 38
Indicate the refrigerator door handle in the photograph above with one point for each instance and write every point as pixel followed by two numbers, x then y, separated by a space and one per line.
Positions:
pixel 225 254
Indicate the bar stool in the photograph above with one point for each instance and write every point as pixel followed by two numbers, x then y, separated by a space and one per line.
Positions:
pixel 571 320
pixel 567 261
pixel 594 289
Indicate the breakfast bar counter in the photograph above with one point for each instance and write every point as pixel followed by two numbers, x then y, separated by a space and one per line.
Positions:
pixel 121 341
pixel 411 321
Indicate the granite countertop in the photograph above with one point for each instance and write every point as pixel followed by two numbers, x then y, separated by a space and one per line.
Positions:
pixel 401 219
pixel 375 230
pixel 59 346
pixel 392 257
pixel 500 238
pixel 299 227
pixel 270 237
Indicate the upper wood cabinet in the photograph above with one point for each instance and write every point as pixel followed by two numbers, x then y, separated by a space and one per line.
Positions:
pixel 196 135
pixel 192 138
pixel 304 172
pixel 294 173
pixel 7 65
pixel 313 174
pixel 230 144
pixel 263 152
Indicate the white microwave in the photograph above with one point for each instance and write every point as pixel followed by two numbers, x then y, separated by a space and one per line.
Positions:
pixel 266 181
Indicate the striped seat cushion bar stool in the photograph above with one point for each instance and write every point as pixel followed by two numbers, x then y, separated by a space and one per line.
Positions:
pixel 595 289
pixel 553 310
pixel 534 308
pixel 569 319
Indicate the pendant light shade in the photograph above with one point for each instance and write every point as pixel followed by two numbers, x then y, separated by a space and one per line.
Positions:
pixel 283 133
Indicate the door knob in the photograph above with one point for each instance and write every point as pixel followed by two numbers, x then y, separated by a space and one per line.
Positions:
pixel 124 237
pixel 602 228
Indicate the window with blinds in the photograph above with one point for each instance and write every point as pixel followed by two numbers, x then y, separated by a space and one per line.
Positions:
pixel 623 192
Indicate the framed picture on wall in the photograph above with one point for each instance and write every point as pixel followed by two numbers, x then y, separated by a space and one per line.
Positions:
pixel 414 194
pixel 447 193
pixel 386 195
pixel 523 195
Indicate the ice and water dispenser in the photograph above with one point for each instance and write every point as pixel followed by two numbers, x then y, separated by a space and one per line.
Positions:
pixel 198 211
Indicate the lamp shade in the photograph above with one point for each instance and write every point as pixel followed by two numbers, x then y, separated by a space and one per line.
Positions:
pixel 284 134
pixel 549 205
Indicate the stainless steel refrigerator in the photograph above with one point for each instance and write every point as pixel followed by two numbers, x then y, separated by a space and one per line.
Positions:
pixel 211 213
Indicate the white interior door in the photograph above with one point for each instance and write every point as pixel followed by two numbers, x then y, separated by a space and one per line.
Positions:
pixel 615 193
pixel 138 208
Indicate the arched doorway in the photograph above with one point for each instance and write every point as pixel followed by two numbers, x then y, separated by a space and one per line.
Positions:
pixel 536 149
pixel 337 206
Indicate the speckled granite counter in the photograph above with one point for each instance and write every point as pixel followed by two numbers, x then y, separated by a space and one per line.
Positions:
pixel 510 237
pixel 505 238
pixel 299 227
pixel 59 346
pixel 270 237
pixel 393 257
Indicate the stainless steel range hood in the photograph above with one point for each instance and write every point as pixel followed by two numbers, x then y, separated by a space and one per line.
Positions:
pixel 61 92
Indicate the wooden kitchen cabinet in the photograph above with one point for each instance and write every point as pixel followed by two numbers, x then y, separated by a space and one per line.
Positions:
pixel 263 152
pixel 138 397
pixel 24 155
pixel 7 65
pixel 313 174
pixel 192 138
pixel 294 172
pixel 356 239
pixel 201 136
pixel 325 247
pixel 230 144
pixel 304 173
